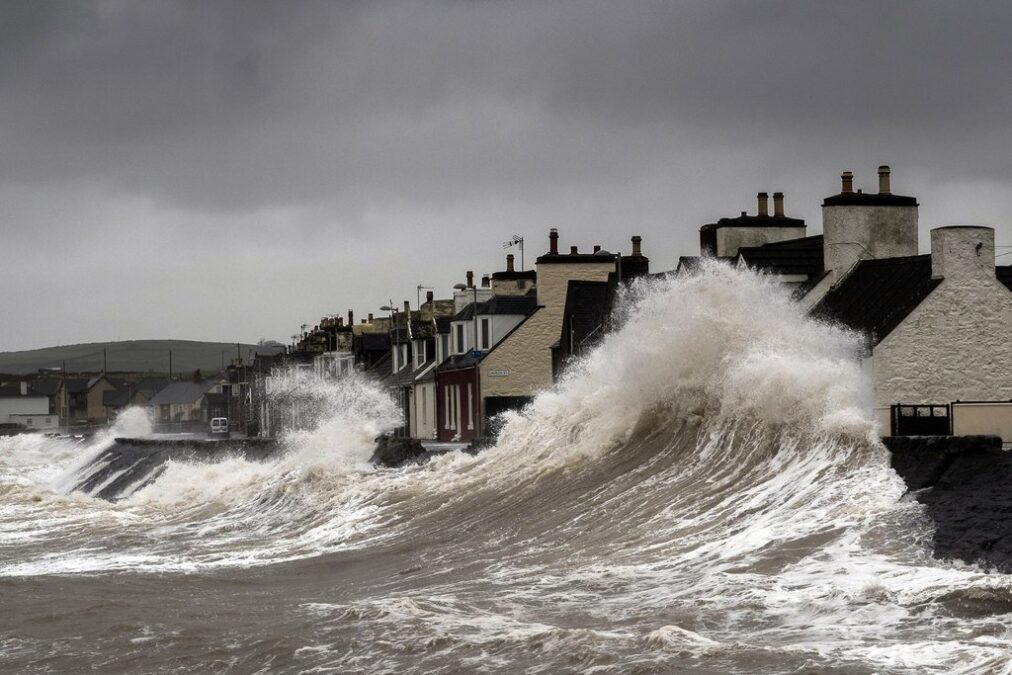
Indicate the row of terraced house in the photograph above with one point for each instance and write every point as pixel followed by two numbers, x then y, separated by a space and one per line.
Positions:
pixel 936 325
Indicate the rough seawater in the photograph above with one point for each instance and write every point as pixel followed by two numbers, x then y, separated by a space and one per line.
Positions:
pixel 703 493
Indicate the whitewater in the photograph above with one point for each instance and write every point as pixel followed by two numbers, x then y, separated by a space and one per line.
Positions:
pixel 704 492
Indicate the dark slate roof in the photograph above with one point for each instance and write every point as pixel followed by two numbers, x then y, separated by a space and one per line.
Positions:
pixel 530 275
pixel 422 329
pixel 219 399
pixel 745 220
pixel 520 305
pixel 587 308
pixel 1004 275
pixel 870 199
pixel 795 256
pixel 181 392
pixel 15 392
pixel 373 341
pixel 443 324
pixel 76 385
pixel 45 387
pixel 692 263
pixel 460 362
pixel 600 256
pixel 116 398
pixel 150 386
pixel 878 295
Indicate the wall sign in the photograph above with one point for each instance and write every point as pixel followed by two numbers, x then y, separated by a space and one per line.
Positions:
pixel 499 372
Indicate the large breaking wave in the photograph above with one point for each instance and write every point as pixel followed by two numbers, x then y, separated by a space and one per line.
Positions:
pixel 704 489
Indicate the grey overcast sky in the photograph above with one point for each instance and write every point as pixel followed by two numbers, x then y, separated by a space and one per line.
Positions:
pixel 231 170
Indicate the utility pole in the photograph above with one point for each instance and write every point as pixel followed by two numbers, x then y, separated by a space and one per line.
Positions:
pixel 170 365
pixel 105 362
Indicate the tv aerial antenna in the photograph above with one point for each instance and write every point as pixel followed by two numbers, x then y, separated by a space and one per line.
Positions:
pixel 516 240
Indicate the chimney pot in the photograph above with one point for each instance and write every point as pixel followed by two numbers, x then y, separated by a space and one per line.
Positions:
pixel 883 180
pixel 470 279
pixel 340 322
pixel 778 204
pixel 509 262
pixel 485 281
pixel 597 247
pixel 351 318
pixel 428 297
pixel 573 250
pixel 764 204
pixel 636 242
pixel 407 306
pixel 847 178
pixel 553 241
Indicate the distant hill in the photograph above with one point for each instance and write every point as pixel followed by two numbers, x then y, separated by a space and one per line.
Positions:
pixel 130 355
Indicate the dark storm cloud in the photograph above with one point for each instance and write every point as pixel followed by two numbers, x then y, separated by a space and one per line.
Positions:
pixel 298 136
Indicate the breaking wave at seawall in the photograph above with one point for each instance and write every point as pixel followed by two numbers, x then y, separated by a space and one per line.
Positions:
pixel 704 491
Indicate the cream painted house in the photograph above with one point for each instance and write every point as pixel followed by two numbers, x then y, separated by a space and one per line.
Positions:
pixel 520 365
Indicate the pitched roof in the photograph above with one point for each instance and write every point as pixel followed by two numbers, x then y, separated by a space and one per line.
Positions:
pixel 878 295
pixel 460 362
pixel 1004 275
pixel 181 392
pixel 587 305
pixel 15 392
pixel 868 199
pixel 516 305
pixel 45 387
pixel 150 386
pixel 794 256
pixel 76 385
pixel 422 329
pixel 116 398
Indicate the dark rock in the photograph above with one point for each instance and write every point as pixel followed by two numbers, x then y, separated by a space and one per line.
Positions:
pixel 966 485
pixel 395 451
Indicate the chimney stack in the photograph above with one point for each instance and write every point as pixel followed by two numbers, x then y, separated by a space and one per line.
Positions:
pixel 485 281
pixel 848 182
pixel 351 318
pixel 636 242
pixel 597 247
pixel 883 180
pixel 470 279
pixel 573 250
pixel 509 262
pixel 428 297
pixel 407 307
pixel 553 241
pixel 778 204
pixel 764 205
pixel 340 322
pixel 370 317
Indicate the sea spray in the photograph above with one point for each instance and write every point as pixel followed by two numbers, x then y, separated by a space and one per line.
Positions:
pixel 703 492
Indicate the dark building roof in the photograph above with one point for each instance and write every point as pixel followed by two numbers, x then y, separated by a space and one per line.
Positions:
pixel 372 341
pixel 600 256
pixel 15 392
pixel 460 362
pixel 76 385
pixel 45 387
pixel 878 295
pixel 633 266
pixel 150 386
pixel 116 398
pixel 422 329
pixel 745 220
pixel 443 324
pixel 181 392
pixel 587 308
pixel 1004 275
pixel 870 199
pixel 693 263
pixel 530 275
pixel 521 305
pixel 795 256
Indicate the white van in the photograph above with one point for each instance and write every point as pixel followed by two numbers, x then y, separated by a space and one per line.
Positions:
pixel 219 427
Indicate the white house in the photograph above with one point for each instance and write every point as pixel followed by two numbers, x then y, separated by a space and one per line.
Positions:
pixel 26 409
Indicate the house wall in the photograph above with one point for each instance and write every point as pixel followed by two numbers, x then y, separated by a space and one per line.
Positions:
pixel 730 239
pixel 423 419
pixel 36 421
pixel 96 410
pixel 973 419
pixel 22 405
pixel 854 233
pixel 955 345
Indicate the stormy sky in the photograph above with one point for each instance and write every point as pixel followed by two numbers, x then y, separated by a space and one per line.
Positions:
pixel 229 171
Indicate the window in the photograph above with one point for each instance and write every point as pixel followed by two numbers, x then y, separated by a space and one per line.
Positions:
pixel 444 341
pixel 425 409
pixel 446 408
pixel 485 333
pixel 460 338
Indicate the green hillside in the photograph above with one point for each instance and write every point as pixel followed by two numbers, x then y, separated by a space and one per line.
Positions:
pixel 130 355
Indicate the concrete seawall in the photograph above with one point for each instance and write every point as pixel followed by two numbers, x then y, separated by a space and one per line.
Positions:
pixel 965 483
